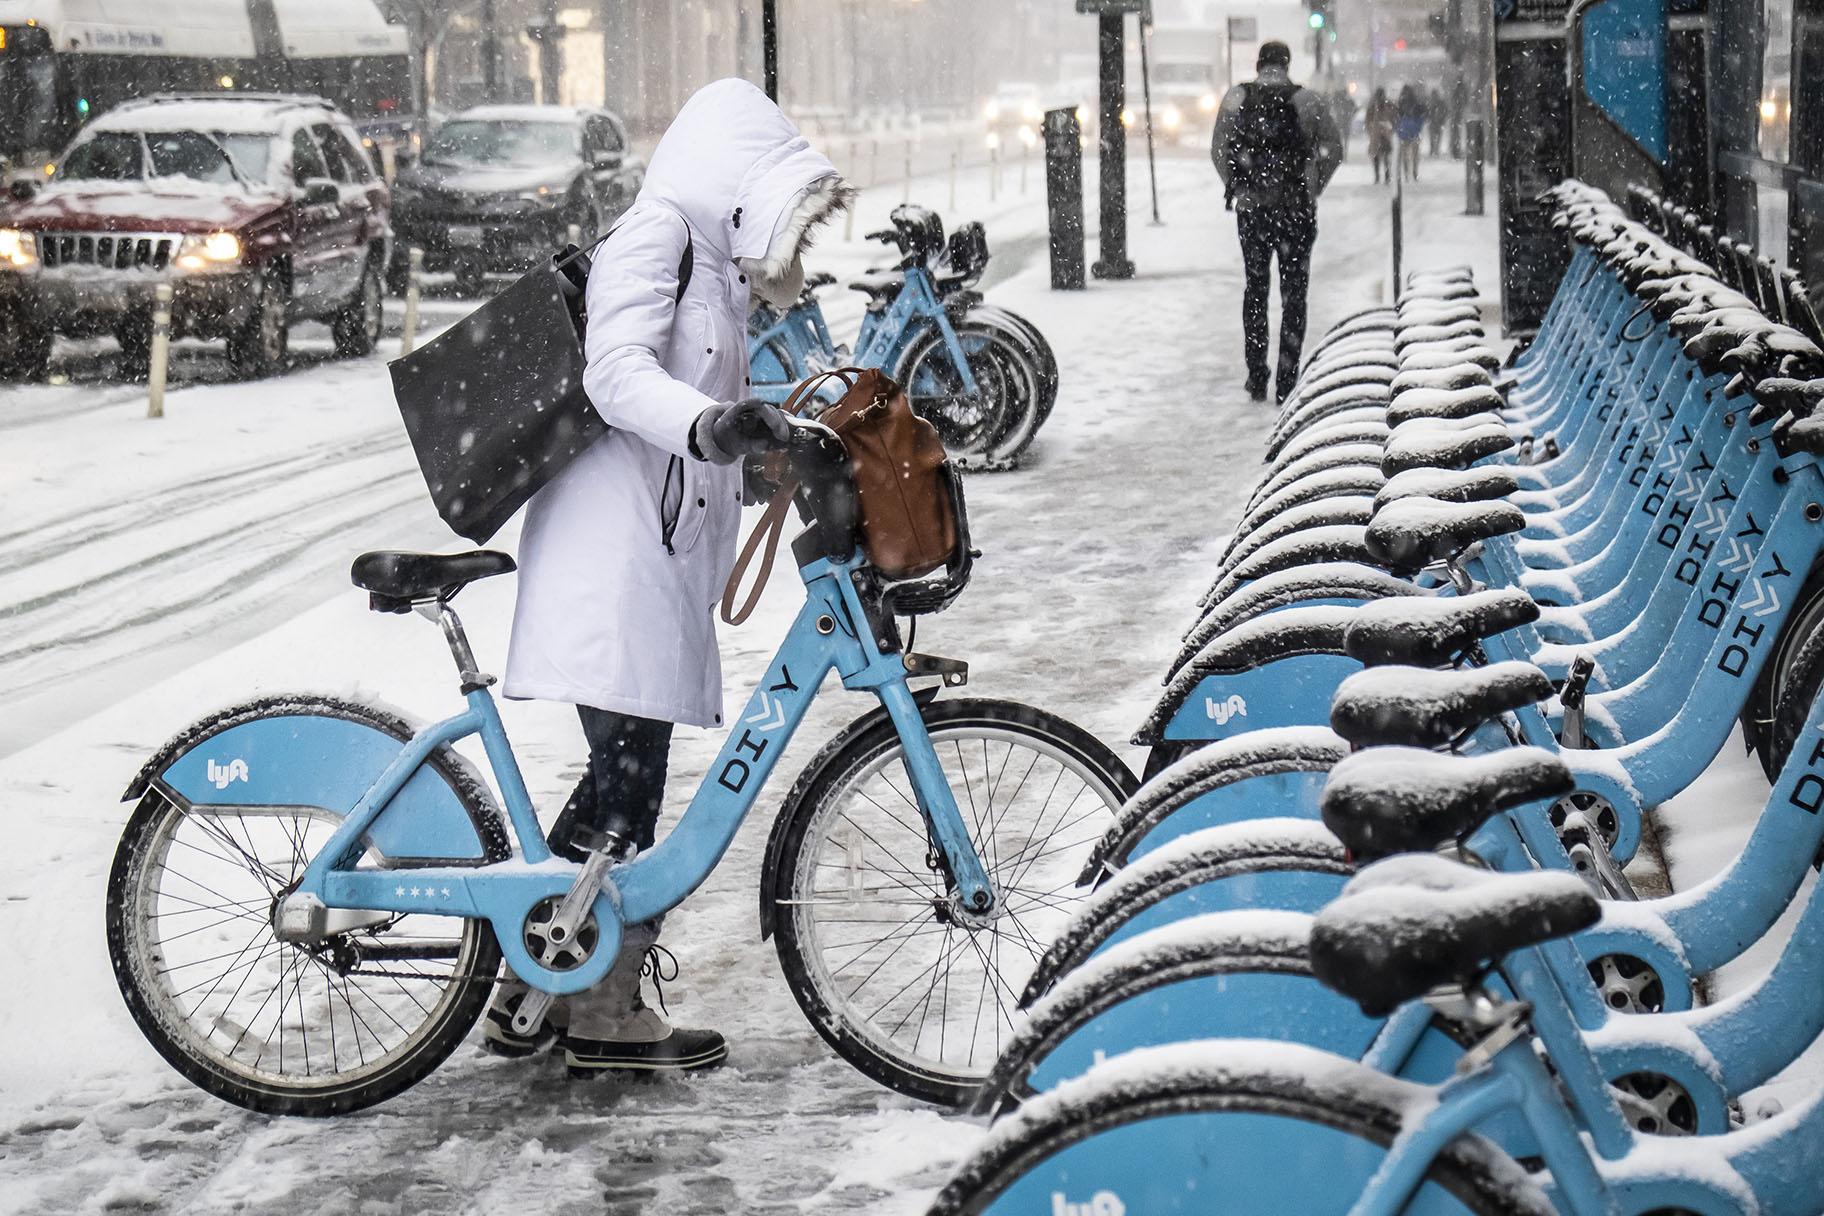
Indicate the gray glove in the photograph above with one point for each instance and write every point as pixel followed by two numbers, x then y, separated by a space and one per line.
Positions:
pixel 725 433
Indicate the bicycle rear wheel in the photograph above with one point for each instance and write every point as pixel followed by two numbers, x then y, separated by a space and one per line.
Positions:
pixel 318 1030
pixel 905 988
pixel 970 424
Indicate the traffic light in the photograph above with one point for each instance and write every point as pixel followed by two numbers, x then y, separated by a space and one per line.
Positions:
pixel 1315 20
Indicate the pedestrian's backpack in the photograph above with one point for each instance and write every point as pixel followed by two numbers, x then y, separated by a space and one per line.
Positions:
pixel 495 406
pixel 908 499
pixel 1267 150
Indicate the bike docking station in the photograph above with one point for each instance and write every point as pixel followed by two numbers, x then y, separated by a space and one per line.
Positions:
pixel 1364 941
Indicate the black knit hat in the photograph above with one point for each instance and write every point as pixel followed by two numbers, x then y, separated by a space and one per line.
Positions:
pixel 1274 54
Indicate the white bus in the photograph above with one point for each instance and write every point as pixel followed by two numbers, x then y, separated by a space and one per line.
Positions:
pixel 63 62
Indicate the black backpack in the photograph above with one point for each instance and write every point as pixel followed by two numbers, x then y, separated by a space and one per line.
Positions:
pixel 1267 150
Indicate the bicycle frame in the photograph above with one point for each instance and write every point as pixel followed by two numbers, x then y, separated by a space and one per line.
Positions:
pixel 831 632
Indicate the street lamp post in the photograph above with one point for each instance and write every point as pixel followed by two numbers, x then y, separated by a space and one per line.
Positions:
pixel 769 44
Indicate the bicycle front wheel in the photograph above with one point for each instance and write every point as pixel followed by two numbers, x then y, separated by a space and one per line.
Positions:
pixel 907 989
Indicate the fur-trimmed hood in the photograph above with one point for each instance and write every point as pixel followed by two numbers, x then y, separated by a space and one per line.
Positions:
pixel 778 277
pixel 736 168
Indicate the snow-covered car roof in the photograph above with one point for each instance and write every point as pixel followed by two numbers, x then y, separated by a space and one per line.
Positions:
pixel 256 115
pixel 524 114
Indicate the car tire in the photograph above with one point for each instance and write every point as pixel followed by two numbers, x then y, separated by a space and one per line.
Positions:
pixel 25 345
pixel 258 348
pixel 357 327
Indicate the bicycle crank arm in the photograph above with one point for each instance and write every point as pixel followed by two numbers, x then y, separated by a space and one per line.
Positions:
pixel 531 1012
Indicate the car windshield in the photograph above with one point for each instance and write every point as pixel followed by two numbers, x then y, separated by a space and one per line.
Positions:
pixel 1181 73
pixel 252 154
pixel 473 141
pixel 128 156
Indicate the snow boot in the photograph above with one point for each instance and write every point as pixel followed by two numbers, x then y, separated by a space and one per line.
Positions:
pixel 497 1034
pixel 611 1028
pixel 1257 387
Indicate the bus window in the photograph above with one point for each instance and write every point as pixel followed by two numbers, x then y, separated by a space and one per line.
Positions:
pixel 306 161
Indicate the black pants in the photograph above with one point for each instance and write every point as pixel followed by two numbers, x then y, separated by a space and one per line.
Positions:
pixel 1286 234
pixel 623 788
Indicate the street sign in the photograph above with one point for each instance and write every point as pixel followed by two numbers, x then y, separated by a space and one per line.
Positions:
pixel 1243 29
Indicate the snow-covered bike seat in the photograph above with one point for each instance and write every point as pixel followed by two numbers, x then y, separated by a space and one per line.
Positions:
pixel 1457 374
pixel 1433 630
pixel 1410 534
pixel 1431 446
pixel 1482 484
pixel 1427 707
pixel 1443 403
pixel 395 580
pixel 1387 800
pixel 1416 922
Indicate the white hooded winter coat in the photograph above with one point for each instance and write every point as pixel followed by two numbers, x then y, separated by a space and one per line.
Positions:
pixel 615 607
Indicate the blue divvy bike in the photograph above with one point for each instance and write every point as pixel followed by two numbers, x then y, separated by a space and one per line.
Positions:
pixel 311 900
pixel 982 375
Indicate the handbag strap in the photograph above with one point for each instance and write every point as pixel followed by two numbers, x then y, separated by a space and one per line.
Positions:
pixel 764 539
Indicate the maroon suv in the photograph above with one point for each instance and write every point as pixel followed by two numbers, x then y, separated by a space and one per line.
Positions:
pixel 258 210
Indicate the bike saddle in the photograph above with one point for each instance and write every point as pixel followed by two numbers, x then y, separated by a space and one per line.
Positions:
pixel 1386 800
pixel 1441 447
pixel 1416 922
pixel 1423 707
pixel 396 580
pixel 878 283
pixel 1460 374
pixel 1482 484
pixel 1443 403
pixel 820 279
pixel 1778 395
pixel 1792 434
pixel 1421 335
pixel 1434 630
pixel 1410 534
pixel 1450 354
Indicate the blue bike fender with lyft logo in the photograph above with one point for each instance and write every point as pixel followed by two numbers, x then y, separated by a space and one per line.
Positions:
pixel 1289 692
pixel 326 763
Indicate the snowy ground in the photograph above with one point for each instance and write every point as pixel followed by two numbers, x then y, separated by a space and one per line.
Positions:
pixel 151 571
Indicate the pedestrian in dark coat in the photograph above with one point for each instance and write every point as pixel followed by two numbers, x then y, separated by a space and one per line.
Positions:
pixel 1409 124
pixel 1437 116
pixel 1379 121
pixel 1276 147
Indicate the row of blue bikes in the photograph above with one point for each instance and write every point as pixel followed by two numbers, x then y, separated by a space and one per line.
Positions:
pixel 1367 940
pixel 984 376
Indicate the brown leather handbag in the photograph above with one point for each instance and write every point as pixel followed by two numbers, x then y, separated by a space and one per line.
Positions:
pixel 907 516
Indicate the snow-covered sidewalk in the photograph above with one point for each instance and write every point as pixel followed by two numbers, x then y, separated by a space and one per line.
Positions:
pixel 203 559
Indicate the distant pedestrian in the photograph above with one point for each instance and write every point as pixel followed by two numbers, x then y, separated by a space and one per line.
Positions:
pixel 1342 113
pixel 1276 147
pixel 1379 121
pixel 1409 124
pixel 1437 115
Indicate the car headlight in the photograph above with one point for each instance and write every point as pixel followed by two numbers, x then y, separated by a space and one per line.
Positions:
pixel 992 111
pixel 205 252
pixel 16 249
pixel 1031 112
pixel 539 195
pixel 1127 117
pixel 1207 103
pixel 1173 118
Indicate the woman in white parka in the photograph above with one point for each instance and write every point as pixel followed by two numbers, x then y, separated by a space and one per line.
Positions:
pixel 624 554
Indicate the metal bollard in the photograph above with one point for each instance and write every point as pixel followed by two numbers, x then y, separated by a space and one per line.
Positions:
pixel 409 327
pixel 907 196
pixel 1399 231
pixel 874 161
pixel 1025 162
pixel 574 234
pixel 161 351
pixel 953 159
pixel 994 173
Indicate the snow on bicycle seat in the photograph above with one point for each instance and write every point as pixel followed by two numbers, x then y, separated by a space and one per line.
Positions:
pixel 1792 434
pixel 1483 484
pixel 1416 922
pixel 396 579
pixel 822 278
pixel 1434 630
pixel 1425 707
pixel 1386 800
pixel 1419 335
pixel 1461 373
pixel 1428 446
pixel 1449 354
pixel 1777 395
pixel 1438 312
pixel 879 282
pixel 1443 403
pixel 1410 534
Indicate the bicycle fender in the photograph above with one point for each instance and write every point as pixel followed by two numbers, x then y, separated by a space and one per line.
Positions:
pixel 322 754
pixel 775 841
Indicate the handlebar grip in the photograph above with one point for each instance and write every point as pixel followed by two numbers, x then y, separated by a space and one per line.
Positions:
pixel 886 236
